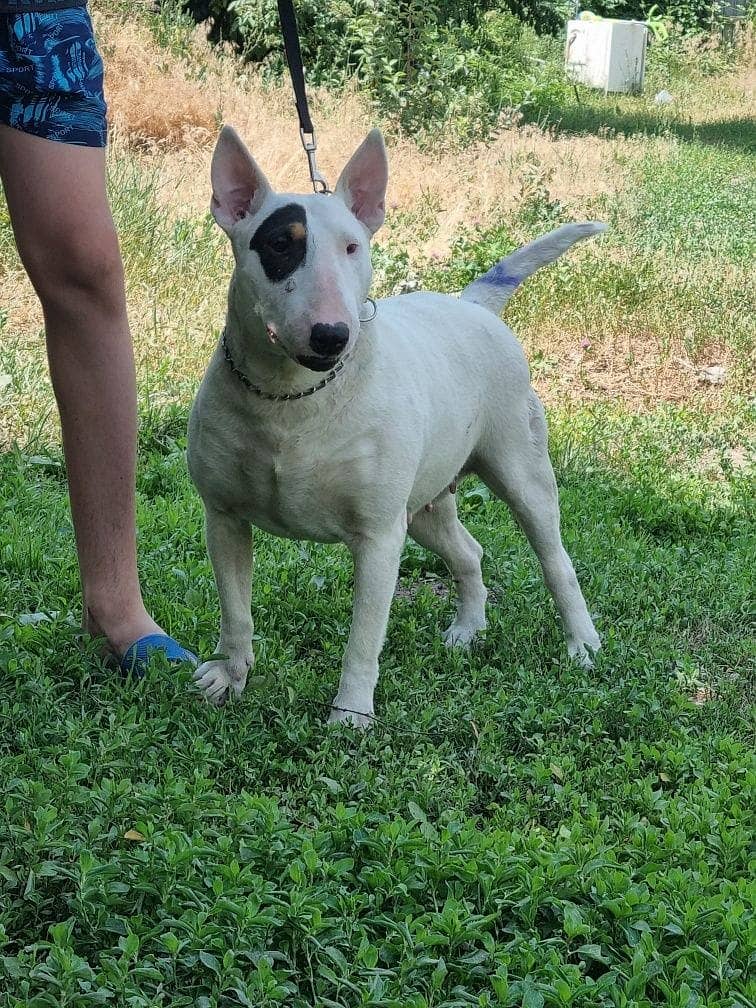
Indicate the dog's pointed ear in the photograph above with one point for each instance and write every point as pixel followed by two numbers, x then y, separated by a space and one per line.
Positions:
pixel 239 186
pixel 362 184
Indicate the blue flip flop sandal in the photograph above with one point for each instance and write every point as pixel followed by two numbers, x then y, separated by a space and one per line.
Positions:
pixel 137 657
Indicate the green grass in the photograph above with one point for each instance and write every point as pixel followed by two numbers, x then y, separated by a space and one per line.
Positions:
pixel 676 265
pixel 515 831
pixel 699 203
pixel 707 106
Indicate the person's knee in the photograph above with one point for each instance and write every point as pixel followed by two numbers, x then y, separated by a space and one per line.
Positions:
pixel 75 268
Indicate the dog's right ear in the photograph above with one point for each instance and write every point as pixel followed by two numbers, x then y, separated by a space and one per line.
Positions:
pixel 239 187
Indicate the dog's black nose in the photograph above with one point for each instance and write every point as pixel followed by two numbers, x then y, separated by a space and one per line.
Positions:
pixel 329 340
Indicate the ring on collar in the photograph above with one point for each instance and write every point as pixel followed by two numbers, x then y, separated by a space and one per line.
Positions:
pixel 370 301
pixel 287 396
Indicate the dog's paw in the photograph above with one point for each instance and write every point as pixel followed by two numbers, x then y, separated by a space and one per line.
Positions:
pixel 220 679
pixel 362 720
pixel 461 635
pixel 583 652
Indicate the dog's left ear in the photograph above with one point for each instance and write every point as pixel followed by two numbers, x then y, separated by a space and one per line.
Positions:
pixel 362 184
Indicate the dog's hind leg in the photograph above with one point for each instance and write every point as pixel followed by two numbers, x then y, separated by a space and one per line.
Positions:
pixel 441 531
pixel 229 545
pixel 516 466
pixel 376 567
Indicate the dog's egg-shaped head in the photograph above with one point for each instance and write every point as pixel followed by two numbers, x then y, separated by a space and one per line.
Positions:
pixel 302 262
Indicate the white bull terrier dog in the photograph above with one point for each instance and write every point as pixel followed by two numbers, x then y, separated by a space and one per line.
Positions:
pixel 412 394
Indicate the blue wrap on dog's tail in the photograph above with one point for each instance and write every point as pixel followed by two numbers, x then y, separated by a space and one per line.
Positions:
pixel 494 289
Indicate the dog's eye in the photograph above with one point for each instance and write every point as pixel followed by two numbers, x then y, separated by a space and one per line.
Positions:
pixel 280 244
pixel 351 248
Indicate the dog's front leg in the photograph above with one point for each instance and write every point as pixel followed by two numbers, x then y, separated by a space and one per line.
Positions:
pixel 229 544
pixel 376 567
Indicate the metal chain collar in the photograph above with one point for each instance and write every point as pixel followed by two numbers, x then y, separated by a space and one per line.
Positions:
pixel 288 396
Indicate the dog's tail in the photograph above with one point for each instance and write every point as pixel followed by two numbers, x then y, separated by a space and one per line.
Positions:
pixel 495 288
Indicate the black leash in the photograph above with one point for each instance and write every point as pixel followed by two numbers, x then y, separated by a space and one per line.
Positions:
pixel 296 69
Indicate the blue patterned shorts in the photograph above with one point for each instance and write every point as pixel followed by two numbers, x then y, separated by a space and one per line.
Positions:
pixel 51 77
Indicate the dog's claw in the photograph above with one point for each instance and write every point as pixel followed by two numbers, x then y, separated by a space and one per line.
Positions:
pixel 584 652
pixel 217 681
pixel 461 635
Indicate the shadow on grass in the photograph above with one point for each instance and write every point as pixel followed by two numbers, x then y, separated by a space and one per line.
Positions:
pixel 735 133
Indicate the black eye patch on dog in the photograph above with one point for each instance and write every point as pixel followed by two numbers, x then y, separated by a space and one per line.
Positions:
pixel 281 241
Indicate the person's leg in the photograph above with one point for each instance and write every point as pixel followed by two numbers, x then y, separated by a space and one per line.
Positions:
pixel 67 242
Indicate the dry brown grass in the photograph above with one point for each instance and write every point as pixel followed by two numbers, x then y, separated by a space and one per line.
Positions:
pixel 171 121
pixel 152 102
pixel 165 118
pixel 171 118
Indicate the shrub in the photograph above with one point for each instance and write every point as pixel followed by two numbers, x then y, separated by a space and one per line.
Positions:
pixel 423 65
pixel 429 66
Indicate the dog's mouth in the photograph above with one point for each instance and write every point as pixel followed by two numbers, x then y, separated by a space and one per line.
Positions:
pixel 318 363
pixel 312 361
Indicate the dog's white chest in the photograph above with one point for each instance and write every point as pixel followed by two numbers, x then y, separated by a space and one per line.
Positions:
pixel 293 486
pixel 293 494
